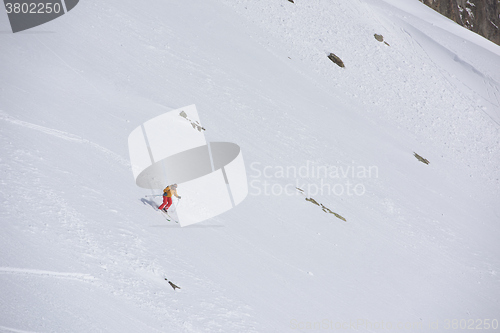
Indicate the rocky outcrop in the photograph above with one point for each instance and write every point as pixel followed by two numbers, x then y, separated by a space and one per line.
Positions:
pixel 480 16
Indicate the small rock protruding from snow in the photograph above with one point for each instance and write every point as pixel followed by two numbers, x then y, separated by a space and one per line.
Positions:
pixel 172 284
pixel 336 60
pixel 380 38
pixel 420 158
pixel 325 209
pixel 195 124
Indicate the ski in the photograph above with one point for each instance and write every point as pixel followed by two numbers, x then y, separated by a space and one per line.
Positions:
pixel 165 215
pixel 172 218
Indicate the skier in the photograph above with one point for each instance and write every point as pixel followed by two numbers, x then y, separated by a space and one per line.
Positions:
pixel 167 197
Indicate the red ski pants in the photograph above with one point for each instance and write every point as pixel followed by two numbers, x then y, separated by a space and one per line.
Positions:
pixel 167 201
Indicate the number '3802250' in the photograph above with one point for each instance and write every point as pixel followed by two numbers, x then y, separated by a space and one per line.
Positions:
pixel 32 8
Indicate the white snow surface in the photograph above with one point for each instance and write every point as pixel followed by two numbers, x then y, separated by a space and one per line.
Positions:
pixel 82 249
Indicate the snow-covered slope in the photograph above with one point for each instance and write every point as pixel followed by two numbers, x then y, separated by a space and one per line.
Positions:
pixel 83 250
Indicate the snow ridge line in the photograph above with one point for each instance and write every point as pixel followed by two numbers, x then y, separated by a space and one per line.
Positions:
pixel 65 136
pixel 8 329
pixel 63 275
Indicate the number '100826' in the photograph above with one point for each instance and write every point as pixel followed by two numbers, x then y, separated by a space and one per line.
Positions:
pixel 33 8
